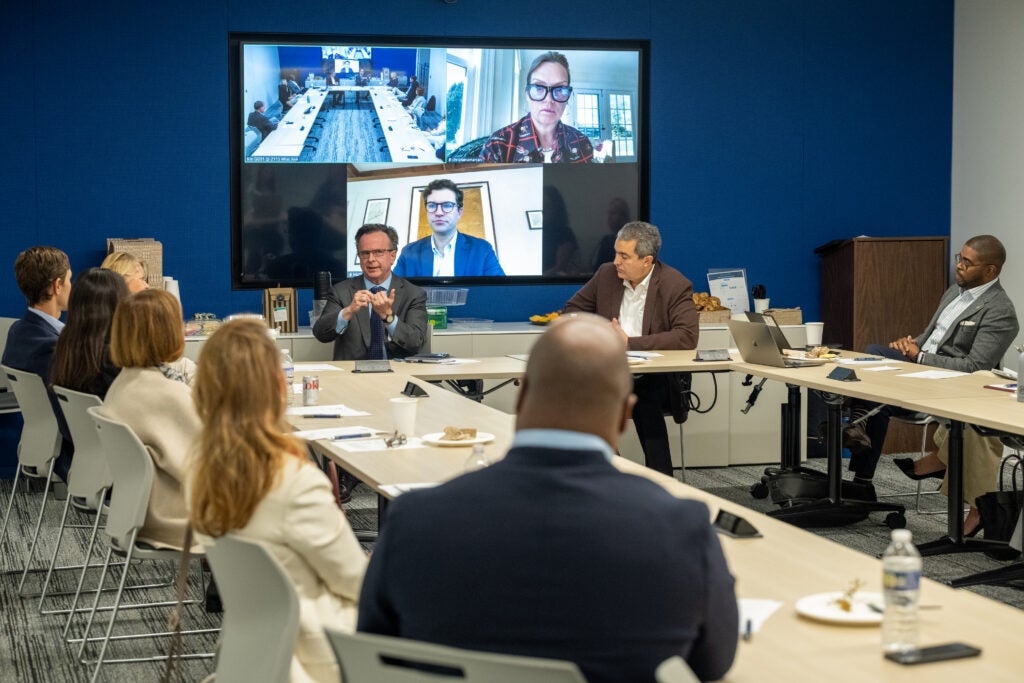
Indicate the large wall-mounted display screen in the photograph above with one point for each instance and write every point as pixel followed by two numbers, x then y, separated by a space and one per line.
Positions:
pixel 524 157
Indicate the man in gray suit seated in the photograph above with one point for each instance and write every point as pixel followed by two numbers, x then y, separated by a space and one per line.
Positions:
pixel 375 315
pixel 971 329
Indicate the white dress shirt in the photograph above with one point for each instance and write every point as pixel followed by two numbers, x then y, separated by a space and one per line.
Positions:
pixel 444 259
pixel 631 312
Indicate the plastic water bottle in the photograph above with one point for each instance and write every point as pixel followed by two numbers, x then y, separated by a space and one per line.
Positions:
pixel 288 365
pixel 477 460
pixel 1020 374
pixel 901 579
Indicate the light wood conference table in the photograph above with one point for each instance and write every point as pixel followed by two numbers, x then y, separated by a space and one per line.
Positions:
pixel 784 565
pixel 960 399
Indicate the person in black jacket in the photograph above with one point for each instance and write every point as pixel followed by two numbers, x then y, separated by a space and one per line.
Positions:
pixel 257 119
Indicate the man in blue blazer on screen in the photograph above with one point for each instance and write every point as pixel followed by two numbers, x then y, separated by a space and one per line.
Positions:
pixel 554 551
pixel 446 252
pixel 43 275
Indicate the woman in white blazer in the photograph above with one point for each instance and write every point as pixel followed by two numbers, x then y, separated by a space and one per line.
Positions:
pixel 251 479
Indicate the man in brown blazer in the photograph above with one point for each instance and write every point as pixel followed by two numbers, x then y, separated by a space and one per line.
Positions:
pixel 651 305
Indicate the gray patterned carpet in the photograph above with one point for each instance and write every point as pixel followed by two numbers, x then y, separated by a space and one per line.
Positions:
pixel 31 647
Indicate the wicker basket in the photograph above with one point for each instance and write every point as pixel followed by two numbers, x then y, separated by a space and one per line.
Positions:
pixel 147 250
pixel 786 316
pixel 715 317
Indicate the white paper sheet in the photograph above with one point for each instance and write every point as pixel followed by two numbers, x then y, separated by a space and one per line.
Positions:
pixel 375 444
pixel 315 367
pixel 861 361
pixel 643 354
pixel 881 368
pixel 934 374
pixel 331 432
pixel 757 611
pixel 395 490
pixel 339 409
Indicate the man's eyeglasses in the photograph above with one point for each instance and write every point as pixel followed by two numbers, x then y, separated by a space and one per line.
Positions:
pixel 446 207
pixel 966 263
pixel 559 93
pixel 375 253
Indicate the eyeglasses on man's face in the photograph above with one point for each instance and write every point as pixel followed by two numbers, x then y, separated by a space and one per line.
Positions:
pixel 373 253
pixel 967 263
pixel 559 93
pixel 446 207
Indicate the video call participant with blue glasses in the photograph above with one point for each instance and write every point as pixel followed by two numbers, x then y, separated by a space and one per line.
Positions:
pixel 540 136
pixel 446 252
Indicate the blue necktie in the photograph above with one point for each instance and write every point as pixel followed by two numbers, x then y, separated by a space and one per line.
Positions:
pixel 377 333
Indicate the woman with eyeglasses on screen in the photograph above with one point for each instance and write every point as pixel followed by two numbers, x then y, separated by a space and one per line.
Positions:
pixel 540 136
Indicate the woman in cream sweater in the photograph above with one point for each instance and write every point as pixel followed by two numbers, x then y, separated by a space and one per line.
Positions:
pixel 153 398
pixel 251 479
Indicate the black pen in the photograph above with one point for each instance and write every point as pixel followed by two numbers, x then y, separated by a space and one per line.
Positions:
pixel 323 415
pixel 362 435
pixel 748 629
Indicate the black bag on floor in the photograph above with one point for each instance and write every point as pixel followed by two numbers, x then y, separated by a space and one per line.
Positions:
pixel 1000 513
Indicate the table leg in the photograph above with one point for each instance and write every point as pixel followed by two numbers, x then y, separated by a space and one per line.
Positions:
pixel 834 510
pixel 954 541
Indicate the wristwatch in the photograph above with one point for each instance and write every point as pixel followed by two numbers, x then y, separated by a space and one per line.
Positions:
pixel 390 319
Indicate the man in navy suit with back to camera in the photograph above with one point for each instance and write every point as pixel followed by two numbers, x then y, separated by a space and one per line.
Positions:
pixel 552 551
pixel 446 252
pixel 43 275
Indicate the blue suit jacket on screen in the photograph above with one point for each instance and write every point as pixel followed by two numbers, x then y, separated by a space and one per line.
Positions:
pixel 555 553
pixel 473 256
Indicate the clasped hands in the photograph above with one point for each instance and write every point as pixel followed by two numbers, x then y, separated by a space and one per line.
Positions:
pixel 907 346
pixel 381 302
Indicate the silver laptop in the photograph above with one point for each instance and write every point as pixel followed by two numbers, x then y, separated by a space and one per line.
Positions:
pixel 773 327
pixel 757 345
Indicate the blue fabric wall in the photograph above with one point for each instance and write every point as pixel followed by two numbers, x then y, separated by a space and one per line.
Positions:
pixel 776 125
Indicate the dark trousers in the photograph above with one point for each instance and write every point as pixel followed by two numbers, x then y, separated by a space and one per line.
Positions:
pixel 863 464
pixel 649 418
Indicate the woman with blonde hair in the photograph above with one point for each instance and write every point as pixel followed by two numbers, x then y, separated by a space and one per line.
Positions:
pixel 251 479
pixel 129 267
pixel 150 396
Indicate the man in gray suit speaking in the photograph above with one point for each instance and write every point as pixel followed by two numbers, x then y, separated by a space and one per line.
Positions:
pixel 971 329
pixel 375 315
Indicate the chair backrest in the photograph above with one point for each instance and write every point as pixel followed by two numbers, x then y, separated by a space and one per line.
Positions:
pixel 675 670
pixel 366 658
pixel 5 327
pixel 40 437
pixel 261 612
pixel 133 471
pixel 253 138
pixel 89 471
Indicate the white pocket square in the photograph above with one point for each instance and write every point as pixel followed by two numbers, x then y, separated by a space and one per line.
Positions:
pixel 968 323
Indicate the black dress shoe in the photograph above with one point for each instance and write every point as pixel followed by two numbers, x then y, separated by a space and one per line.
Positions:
pixel 906 466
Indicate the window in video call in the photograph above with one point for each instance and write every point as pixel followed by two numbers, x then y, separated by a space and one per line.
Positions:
pixel 531 156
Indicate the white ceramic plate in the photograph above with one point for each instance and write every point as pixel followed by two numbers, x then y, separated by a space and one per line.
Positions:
pixel 824 607
pixel 435 439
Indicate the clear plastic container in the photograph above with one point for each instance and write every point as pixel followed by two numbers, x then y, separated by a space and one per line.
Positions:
pixel 901 580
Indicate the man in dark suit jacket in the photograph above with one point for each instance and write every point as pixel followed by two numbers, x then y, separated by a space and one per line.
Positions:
pixel 347 319
pixel 650 304
pixel 538 554
pixel 44 277
pixel 446 251
pixel 971 329
pixel 257 119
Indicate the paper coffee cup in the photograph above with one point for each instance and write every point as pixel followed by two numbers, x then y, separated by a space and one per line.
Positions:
pixel 403 413
pixel 814 333
pixel 761 305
